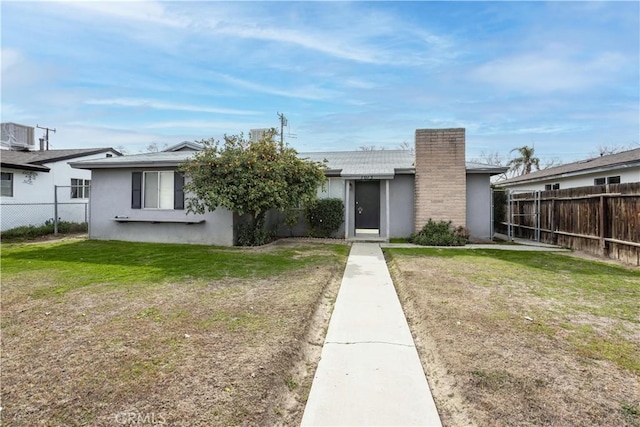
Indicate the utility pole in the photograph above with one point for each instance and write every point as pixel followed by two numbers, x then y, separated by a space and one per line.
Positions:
pixel 283 123
pixel 46 137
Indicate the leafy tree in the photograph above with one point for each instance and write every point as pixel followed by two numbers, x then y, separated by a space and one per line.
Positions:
pixel 250 178
pixel 522 165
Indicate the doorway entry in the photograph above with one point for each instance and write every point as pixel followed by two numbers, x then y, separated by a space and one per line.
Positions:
pixel 367 207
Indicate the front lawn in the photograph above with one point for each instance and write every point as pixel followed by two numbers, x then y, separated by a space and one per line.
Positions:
pixel 102 333
pixel 513 338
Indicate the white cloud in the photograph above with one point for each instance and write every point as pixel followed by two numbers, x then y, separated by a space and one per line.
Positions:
pixel 14 113
pixel 324 42
pixel 10 58
pixel 151 12
pixel 307 92
pixel 198 126
pixel 544 72
pixel 158 105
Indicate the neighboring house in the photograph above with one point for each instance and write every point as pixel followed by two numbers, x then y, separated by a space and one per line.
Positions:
pixel 28 180
pixel 619 168
pixel 386 193
pixel 185 146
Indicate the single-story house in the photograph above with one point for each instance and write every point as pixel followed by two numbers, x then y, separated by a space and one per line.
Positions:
pixel 30 177
pixel 618 168
pixel 387 193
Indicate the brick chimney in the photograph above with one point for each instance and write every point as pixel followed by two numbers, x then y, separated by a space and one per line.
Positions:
pixel 440 180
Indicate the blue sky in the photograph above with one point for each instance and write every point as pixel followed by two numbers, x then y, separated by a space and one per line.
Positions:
pixel 561 76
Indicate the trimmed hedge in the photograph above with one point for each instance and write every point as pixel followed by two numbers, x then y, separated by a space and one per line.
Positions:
pixel 325 216
pixel 33 231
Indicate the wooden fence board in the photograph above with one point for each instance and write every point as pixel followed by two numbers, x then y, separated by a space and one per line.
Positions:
pixel 603 220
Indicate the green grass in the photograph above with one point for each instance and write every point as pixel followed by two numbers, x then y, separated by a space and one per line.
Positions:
pixel 69 265
pixel 570 288
pixel 597 288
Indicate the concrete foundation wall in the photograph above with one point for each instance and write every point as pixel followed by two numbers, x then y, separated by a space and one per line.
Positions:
pixel 111 197
pixel 440 179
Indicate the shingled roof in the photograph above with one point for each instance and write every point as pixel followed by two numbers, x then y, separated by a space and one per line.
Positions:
pixel 611 161
pixel 378 164
pixel 36 160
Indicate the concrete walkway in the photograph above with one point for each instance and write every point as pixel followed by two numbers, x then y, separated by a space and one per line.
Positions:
pixel 370 373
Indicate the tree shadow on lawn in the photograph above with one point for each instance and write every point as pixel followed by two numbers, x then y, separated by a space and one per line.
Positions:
pixel 77 264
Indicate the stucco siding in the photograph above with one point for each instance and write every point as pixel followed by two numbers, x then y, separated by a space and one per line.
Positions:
pixel 401 193
pixel 332 188
pixel 112 197
pixel 479 207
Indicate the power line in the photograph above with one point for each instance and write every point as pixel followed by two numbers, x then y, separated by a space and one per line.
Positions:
pixel 46 135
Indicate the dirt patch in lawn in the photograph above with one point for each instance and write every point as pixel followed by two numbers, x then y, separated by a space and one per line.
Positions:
pixel 512 351
pixel 223 352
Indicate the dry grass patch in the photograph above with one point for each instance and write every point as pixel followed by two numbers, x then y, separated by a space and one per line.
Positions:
pixel 185 346
pixel 524 338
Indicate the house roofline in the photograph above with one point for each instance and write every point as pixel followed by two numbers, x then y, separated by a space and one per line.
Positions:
pixel 554 177
pixel 76 155
pixel 137 165
pixel 23 166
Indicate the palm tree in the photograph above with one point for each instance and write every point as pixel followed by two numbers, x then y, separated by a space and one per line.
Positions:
pixel 522 165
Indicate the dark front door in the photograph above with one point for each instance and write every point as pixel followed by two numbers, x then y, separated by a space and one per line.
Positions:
pixel 368 204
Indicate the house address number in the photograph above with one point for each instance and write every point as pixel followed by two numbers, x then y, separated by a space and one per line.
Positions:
pixel 366 177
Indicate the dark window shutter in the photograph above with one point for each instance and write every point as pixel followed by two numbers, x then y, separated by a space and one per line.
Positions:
pixel 178 192
pixel 136 190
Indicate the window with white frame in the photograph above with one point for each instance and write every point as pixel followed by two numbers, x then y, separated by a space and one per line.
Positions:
pixel 80 188
pixel 7 184
pixel 158 190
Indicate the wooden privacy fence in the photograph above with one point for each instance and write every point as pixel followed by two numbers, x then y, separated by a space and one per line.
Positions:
pixel 602 220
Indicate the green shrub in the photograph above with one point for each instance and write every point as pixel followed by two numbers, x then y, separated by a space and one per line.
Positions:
pixel 440 234
pixel 325 216
pixel 249 235
pixel 33 231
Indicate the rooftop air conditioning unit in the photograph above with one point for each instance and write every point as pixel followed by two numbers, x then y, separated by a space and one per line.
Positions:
pixel 16 137
pixel 256 135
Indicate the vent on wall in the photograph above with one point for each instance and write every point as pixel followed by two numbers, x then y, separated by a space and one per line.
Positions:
pixel 16 137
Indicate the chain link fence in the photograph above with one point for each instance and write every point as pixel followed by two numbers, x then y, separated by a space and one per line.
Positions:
pixel 63 207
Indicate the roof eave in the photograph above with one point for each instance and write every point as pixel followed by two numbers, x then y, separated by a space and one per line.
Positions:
pixel 490 171
pixel 75 156
pixel 120 165
pixel 27 167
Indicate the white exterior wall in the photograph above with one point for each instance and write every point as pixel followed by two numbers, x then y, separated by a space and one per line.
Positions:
pixel 111 197
pixel 33 194
pixel 627 175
